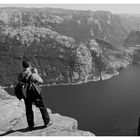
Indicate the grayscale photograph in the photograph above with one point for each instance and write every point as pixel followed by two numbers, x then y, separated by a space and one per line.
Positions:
pixel 69 70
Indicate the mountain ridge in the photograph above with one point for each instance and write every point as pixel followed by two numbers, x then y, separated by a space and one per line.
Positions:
pixel 67 46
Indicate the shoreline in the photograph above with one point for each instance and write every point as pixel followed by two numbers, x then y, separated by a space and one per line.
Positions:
pixel 94 79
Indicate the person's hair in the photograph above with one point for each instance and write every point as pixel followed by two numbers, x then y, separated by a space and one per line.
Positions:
pixel 26 63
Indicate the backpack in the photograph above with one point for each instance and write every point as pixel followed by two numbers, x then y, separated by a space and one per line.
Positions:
pixel 27 87
pixel 35 91
pixel 20 89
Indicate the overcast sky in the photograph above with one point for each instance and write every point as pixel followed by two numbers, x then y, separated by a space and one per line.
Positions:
pixel 114 8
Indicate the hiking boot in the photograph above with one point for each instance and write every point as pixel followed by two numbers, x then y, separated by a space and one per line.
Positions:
pixel 48 124
pixel 30 128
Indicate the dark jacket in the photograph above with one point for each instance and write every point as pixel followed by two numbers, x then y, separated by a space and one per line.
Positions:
pixel 31 91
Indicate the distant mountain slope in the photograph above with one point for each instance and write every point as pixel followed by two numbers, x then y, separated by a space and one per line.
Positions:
pixel 130 22
pixel 67 46
pixel 77 24
pixel 133 39
pixel 132 43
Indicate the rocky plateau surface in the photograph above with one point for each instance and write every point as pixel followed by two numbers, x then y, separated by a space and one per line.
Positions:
pixel 13 120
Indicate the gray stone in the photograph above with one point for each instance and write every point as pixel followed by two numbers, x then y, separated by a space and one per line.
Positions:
pixel 13 120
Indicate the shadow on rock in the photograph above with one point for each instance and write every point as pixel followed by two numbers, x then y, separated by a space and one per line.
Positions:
pixel 8 132
pixel 22 130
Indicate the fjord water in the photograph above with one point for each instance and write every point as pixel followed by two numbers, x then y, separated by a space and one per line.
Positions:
pixel 109 107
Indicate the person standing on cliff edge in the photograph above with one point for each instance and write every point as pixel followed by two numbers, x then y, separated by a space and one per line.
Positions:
pixel 30 74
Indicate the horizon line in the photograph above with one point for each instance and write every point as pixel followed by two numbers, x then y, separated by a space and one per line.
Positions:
pixel 120 8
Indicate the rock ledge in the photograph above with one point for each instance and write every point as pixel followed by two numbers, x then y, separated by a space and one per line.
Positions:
pixel 13 121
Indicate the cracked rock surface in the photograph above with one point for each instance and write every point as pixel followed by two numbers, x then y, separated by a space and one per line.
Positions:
pixel 13 120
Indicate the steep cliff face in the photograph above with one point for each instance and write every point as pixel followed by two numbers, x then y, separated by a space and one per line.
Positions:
pixel 107 60
pixel 130 22
pixel 133 39
pixel 79 25
pixel 66 46
pixel 108 27
pixel 132 43
pixel 58 58
pixel 50 52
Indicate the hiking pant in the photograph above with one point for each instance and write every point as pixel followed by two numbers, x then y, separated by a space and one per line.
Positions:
pixel 29 112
